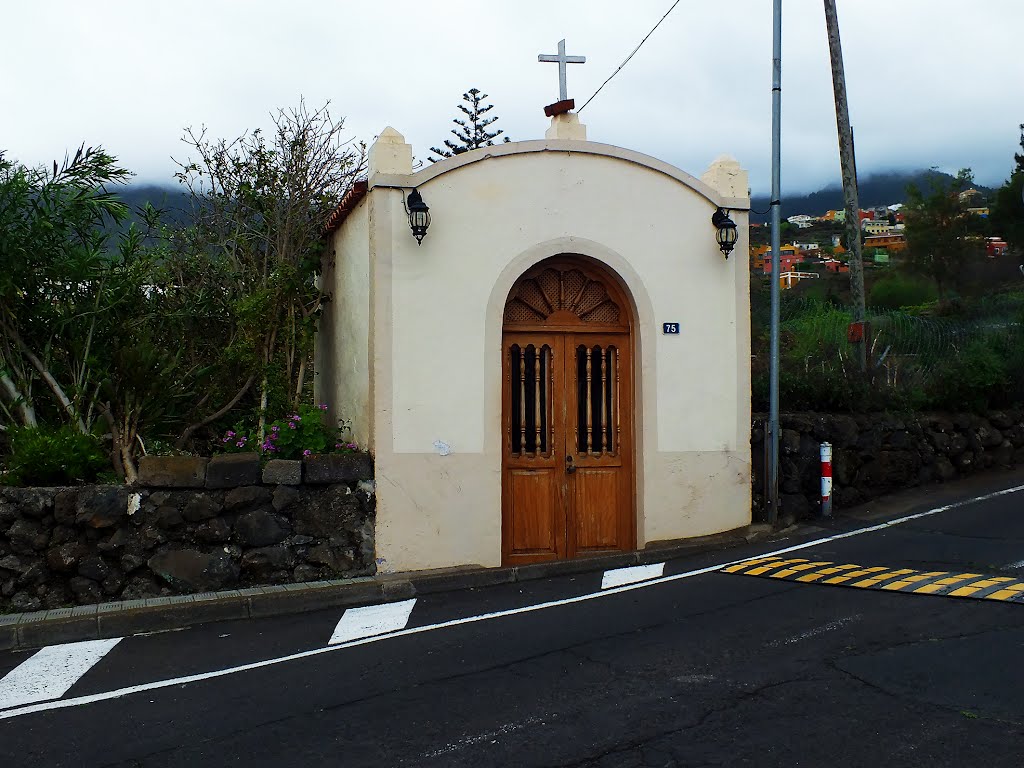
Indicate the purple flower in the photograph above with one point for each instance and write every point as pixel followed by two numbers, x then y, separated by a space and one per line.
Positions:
pixel 275 428
pixel 291 425
pixel 240 444
pixel 353 446
pixel 230 433
pixel 322 406
pixel 226 440
pixel 307 452
pixel 272 436
pixel 338 445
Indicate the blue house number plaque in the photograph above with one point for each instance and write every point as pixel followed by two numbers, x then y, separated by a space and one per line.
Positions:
pixel 670 328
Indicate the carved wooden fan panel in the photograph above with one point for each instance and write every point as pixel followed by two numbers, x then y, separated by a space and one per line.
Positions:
pixel 535 299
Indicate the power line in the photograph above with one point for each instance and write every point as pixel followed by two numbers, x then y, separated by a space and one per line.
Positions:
pixel 613 74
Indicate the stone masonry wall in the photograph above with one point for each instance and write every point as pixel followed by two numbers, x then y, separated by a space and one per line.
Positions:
pixel 876 454
pixel 189 525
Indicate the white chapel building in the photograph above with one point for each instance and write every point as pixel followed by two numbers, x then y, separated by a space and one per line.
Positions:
pixel 560 368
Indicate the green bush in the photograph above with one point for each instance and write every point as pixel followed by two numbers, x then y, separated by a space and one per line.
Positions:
pixel 895 291
pixel 301 433
pixel 972 380
pixel 45 456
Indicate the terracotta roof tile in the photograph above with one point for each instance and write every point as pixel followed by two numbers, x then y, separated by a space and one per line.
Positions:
pixel 346 206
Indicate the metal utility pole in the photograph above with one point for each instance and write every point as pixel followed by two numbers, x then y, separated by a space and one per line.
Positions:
pixel 849 170
pixel 773 382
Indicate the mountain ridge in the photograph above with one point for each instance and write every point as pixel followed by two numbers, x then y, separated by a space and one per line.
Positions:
pixel 876 189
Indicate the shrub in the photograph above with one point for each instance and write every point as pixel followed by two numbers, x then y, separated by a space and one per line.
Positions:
pixel 971 380
pixel 301 433
pixel 46 457
pixel 895 291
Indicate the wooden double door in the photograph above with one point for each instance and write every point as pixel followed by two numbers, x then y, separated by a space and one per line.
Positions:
pixel 567 485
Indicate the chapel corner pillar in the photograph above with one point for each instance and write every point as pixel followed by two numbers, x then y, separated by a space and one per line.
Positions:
pixel 566 127
pixel 390 154
pixel 727 178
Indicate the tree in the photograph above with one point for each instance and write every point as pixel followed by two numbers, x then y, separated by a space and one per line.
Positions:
pixel 472 133
pixel 1008 205
pixel 259 206
pixel 76 324
pixel 937 230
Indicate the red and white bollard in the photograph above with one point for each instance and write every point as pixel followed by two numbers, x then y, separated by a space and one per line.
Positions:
pixel 826 480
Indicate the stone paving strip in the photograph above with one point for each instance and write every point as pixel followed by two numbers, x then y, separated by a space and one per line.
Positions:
pixel 978 586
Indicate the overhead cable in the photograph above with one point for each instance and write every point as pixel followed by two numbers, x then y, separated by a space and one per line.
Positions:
pixel 613 74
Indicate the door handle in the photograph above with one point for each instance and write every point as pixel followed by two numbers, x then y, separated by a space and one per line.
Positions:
pixel 570 467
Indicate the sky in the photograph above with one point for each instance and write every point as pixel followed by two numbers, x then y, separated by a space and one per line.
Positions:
pixel 932 83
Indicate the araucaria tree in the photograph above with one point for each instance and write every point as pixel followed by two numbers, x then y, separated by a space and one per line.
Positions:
pixel 938 230
pixel 473 132
pixel 259 208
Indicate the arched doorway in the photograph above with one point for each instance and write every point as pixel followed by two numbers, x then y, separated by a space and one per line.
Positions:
pixel 568 458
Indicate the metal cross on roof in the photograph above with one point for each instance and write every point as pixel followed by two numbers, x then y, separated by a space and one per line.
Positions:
pixel 562 60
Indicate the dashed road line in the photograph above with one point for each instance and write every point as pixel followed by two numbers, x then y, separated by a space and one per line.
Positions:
pixel 50 673
pixel 632 575
pixel 357 623
pixel 978 586
pixel 45 706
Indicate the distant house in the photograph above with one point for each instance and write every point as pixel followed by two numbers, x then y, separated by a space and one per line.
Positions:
pixel 970 195
pixel 761 258
pixel 891 242
pixel 981 212
pixel 792 278
pixel 835 266
pixel 802 220
pixel 995 246
pixel 808 248
pixel 877 227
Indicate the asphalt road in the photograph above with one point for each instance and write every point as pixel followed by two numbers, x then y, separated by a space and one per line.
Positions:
pixel 693 668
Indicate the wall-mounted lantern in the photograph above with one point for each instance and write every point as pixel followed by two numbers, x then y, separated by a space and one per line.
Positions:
pixel 726 234
pixel 419 216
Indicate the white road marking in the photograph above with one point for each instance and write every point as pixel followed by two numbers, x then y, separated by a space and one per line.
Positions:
pixel 372 620
pixel 837 624
pixel 49 673
pixel 186 680
pixel 631 575
pixel 1018 564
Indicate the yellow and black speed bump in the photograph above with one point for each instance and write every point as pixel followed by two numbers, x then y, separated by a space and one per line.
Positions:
pixel 973 585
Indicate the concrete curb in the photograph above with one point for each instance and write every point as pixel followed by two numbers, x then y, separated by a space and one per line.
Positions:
pixel 22 631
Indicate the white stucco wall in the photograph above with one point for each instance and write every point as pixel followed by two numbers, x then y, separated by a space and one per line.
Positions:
pixel 345 387
pixel 436 338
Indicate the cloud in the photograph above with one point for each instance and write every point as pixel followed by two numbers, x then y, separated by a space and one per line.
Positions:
pixel 931 83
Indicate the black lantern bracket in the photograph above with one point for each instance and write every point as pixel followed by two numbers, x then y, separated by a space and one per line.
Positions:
pixel 726 234
pixel 418 213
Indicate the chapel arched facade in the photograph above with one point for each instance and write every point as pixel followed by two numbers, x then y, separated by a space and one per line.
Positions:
pixel 510 374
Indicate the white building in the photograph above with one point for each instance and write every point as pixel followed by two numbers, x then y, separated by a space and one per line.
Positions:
pixel 802 220
pixel 511 374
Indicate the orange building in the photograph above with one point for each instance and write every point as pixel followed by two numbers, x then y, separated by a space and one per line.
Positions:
pixel 894 243
pixel 761 258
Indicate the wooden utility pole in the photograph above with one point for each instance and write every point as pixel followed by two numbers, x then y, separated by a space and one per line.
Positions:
pixel 849 169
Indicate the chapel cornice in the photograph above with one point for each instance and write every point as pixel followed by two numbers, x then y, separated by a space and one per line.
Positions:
pixel 515 148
